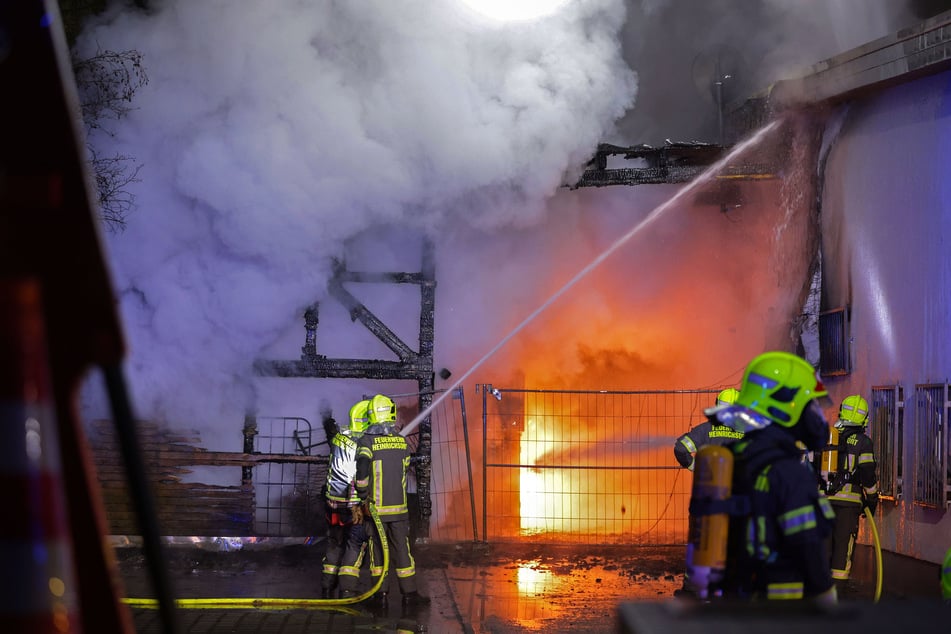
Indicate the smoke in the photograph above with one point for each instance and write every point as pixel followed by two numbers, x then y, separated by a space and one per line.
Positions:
pixel 675 46
pixel 275 137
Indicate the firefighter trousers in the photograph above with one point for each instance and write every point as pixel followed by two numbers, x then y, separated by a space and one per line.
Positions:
pixel 402 564
pixel 844 534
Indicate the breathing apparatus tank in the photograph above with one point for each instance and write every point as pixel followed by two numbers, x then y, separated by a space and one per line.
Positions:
pixel 708 528
pixel 829 459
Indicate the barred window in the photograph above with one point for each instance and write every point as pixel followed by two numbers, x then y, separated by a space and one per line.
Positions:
pixel 834 342
pixel 887 423
pixel 931 445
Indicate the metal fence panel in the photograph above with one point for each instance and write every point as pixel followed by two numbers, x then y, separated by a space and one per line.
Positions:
pixel 586 466
pixel 453 505
pixel 287 496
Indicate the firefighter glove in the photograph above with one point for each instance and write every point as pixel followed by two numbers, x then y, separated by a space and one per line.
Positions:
pixel 871 502
pixel 356 513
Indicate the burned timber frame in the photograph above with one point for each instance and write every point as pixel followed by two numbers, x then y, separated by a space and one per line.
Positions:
pixel 410 364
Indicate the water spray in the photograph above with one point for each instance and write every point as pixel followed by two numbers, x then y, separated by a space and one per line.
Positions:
pixel 596 262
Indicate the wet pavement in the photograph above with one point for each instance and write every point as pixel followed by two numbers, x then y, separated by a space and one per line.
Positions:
pixel 475 588
pixel 503 589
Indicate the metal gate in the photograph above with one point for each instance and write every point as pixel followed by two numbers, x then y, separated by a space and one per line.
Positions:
pixel 586 466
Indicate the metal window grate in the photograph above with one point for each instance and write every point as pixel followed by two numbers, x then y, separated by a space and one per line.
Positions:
pixel 887 427
pixel 834 342
pixel 931 445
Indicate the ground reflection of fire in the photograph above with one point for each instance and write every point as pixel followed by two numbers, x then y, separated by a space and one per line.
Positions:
pixel 533 579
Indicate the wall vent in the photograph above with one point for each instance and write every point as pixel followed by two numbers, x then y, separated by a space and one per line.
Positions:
pixel 834 342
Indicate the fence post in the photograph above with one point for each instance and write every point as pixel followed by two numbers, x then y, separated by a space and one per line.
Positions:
pixel 485 446
pixel 250 431
pixel 465 436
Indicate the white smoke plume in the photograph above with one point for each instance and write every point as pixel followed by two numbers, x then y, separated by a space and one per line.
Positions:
pixel 272 133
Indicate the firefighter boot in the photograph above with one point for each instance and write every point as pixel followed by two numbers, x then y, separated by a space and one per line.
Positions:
pixel 414 600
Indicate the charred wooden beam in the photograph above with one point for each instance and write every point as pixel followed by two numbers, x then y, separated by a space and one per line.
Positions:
pixel 324 368
pixel 359 312
pixel 232 459
pixel 380 278
pixel 426 381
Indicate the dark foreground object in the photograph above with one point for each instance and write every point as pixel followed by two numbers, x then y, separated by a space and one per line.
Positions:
pixel 921 616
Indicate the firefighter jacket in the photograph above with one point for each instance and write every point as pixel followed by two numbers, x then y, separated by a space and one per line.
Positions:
pixel 707 433
pixel 855 479
pixel 382 460
pixel 776 544
pixel 341 489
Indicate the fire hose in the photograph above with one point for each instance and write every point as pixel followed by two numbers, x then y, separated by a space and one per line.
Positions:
pixel 878 554
pixel 278 603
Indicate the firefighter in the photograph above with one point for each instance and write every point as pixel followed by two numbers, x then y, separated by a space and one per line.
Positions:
pixel 779 521
pixel 854 486
pixel 706 433
pixel 685 450
pixel 341 502
pixel 383 457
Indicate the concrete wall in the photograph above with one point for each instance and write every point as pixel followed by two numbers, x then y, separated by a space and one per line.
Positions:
pixel 886 249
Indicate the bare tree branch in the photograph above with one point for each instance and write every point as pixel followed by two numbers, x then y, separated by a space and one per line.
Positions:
pixel 107 83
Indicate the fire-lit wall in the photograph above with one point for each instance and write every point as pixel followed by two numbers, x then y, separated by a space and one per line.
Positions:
pixel 886 224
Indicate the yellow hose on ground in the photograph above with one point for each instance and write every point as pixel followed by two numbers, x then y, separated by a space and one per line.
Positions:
pixel 276 603
pixel 878 554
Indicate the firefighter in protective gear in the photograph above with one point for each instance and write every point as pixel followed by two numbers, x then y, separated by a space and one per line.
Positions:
pixel 779 523
pixel 341 501
pixel 854 485
pixel 709 432
pixel 383 457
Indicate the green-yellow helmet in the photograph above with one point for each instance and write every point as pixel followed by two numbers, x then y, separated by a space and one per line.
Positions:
pixel 381 410
pixel 854 411
pixel 358 417
pixel 727 396
pixel 780 385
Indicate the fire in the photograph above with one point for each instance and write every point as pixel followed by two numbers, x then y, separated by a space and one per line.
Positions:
pixel 575 477
pixel 676 309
